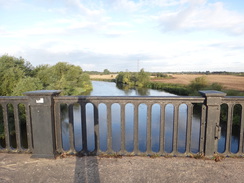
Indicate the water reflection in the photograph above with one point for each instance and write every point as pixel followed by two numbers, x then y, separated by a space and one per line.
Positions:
pixel 110 89
pixel 129 127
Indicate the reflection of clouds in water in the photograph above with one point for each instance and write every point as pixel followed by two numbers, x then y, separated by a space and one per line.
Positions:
pixel 116 123
pixel 129 127
pixel 129 124
pixel 102 117
pixel 90 126
pixel 142 125
pixel 77 127
pixel 182 128
pixel 155 127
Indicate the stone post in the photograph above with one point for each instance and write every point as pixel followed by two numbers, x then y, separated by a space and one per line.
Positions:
pixel 42 121
pixel 212 101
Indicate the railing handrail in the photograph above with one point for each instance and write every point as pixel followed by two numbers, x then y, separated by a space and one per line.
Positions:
pixel 44 121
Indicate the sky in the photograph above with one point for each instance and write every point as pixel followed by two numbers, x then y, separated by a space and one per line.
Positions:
pixel 126 35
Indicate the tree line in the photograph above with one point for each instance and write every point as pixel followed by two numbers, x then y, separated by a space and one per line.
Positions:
pixel 18 76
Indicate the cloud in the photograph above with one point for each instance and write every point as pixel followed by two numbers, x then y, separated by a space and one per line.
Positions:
pixel 77 5
pixel 88 60
pixel 125 5
pixel 202 16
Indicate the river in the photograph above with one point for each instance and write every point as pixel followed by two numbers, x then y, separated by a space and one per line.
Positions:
pixel 101 88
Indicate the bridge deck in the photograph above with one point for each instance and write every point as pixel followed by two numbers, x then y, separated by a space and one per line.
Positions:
pixel 21 168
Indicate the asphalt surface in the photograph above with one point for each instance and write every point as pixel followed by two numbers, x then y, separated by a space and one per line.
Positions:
pixel 21 168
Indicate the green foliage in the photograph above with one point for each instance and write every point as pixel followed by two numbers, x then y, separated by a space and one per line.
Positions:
pixel 171 88
pixel 66 77
pixel 27 84
pixel 133 79
pixel 106 71
pixel 12 70
pixel 18 76
pixel 216 86
pixel 198 83
pixel 142 78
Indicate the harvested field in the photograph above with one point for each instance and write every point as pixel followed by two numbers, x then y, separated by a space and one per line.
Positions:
pixel 107 76
pixel 227 81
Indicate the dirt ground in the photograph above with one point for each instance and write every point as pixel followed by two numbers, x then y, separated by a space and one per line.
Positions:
pixel 227 81
pixel 21 168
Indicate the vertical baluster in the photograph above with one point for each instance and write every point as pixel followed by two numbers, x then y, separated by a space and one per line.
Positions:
pixel 58 126
pixel 109 127
pixel 122 127
pixel 96 129
pixel 84 127
pixel 71 128
pixel 136 129
pixel 149 129
pixel 162 128
pixel 6 127
pixel 189 127
pixel 202 130
pixel 175 127
pixel 28 127
pixel 229 128
pixel 17 127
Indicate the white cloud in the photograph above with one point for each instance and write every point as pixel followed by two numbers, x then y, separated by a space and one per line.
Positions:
pixel 78 5
pixel 125 5
pixel 116 34
pixel 202 16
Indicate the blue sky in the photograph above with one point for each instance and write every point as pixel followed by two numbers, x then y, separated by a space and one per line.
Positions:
pixel 120 35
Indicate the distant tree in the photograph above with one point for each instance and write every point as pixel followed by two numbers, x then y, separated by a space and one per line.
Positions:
pixel 106 71
pixel 142 78
pixel 198 83
pixel 133 79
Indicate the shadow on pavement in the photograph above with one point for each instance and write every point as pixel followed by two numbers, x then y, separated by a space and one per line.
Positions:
pixel 86 170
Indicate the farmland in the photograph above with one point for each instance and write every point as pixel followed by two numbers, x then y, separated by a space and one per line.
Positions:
pixel 231 82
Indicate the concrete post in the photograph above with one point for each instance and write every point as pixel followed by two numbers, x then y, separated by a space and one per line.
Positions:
pixel 212 101
pixel 42 121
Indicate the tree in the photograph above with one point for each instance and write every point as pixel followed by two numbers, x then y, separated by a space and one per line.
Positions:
pixel 106 71
pixel 142 78
pixel 66 77
pixel 133 79
pixel 12 70
pixel 198 83
pixel 27 84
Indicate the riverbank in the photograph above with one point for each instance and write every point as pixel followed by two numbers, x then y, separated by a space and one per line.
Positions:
pixel 179 84
pixel 21 168
pixel 230 82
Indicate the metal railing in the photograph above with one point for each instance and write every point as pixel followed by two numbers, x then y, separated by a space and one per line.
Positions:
pixel 119 116
pixel 15 125
pixel 44 124
pixel 231 113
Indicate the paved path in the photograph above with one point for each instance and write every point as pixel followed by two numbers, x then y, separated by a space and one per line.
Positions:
pixel 21 168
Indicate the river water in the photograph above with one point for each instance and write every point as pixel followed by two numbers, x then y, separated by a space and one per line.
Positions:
pixel 101 88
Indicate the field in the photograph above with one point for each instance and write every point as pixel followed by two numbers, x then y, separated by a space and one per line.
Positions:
pixel 105 76
pixel 227 81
